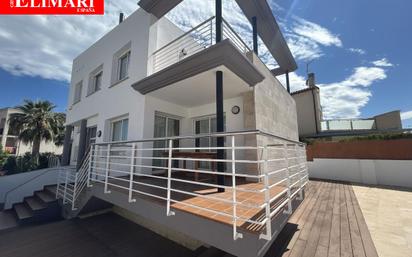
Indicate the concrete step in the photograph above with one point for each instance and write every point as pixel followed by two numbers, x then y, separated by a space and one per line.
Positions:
pixel 51 189
pixel 23 212
pixel 213 252
pixel 8 219
pixel 35 203
pixel 46 197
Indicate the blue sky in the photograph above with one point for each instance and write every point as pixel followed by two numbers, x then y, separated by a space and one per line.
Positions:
pixel 358 49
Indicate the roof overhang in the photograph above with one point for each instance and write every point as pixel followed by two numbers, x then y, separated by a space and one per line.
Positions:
pixel 268 28
pixel 220 54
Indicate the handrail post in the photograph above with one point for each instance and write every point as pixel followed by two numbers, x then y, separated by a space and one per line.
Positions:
pixel 74 190
pixel 169 180
pixel 286 155
pixel 106 178
pixel 131 178
pixel 236 235
pixel 268 235
pixel 65 188
pixel 89 170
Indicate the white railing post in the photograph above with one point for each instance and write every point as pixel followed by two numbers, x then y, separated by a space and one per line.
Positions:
pixel 74 191
pixel 65 187
pixel 131 178
pixel 106 177
pixel 289 210
pixel 236 235
pixel 169 180
pixel 268 235
pixel 89 169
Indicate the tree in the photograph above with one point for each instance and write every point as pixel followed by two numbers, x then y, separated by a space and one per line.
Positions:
pixel 36 122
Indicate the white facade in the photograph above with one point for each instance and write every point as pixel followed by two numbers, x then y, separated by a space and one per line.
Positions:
pixel 140 35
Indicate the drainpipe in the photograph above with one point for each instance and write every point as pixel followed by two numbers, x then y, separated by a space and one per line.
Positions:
pixel 255 36
pixel 287 82
pixel 219 101
pixel 121 17
pixel 67 146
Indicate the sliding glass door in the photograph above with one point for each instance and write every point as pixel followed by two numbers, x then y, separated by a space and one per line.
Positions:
pixel 164 126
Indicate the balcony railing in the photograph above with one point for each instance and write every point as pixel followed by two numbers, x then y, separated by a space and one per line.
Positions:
pixel 264 174
pixel 348 125
pixel 195 40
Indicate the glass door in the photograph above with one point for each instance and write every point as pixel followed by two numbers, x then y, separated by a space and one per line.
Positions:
pixel 164 126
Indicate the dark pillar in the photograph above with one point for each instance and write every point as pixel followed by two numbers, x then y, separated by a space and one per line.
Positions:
pixel 67 146
pixel 255 35
pixel 220 127
pixel 287 82
pixel 219 21
pixel 82 142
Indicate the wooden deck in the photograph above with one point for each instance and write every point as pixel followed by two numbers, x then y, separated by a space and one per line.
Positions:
pixel 328 223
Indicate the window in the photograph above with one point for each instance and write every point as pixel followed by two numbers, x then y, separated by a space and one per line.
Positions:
pixel 95 80
pixel 123 66
pixel 206 125
pixel 120 130
pixel 77 92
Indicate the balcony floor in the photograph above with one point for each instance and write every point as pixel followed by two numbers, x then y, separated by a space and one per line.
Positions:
pixel 244 212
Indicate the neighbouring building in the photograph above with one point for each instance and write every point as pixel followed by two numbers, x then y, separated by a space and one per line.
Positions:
pixel 312 124
pixel 157 115
pixel 10 142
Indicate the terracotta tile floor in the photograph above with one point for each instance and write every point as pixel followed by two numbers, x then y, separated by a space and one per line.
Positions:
pixel 247 209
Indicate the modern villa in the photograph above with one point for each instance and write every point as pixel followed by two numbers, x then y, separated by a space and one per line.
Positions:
pixel 186 132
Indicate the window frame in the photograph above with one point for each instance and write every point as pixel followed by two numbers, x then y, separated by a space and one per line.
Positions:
pixel 112 124
pixel 119 66
pixel 78 88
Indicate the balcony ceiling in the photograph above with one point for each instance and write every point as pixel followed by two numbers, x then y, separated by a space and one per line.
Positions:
pixel 201 89
pixel 268 29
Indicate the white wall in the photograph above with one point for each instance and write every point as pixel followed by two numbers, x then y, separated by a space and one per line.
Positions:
pixel 374 172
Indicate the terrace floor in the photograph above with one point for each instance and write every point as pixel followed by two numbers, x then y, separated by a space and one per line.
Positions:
pixel 328 223
pixel 209 201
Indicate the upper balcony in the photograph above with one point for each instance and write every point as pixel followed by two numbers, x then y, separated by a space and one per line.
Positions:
pixel 194 41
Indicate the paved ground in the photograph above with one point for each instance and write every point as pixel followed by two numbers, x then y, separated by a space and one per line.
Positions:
pixel 105 235
pixel 388 214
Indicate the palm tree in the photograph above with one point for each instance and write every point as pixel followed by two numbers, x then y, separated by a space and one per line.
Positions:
pixel 37 122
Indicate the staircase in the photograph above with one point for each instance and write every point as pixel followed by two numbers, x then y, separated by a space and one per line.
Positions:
pixel 41 207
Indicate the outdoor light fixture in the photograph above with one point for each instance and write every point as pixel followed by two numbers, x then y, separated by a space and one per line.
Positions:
pixel 235 109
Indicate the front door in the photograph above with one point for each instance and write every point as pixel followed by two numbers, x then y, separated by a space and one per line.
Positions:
pixel 164 126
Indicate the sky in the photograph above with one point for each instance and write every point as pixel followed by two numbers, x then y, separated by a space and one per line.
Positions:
pixel 359 51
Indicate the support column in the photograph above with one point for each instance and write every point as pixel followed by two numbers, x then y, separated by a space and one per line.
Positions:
pixel 255 36
pixel 67 145
pixel 220 127
pixel 287 82
pixel 82 142
pixel 219 100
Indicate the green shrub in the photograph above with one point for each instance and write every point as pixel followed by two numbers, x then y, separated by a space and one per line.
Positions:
pixel 27 162
pixel 3 157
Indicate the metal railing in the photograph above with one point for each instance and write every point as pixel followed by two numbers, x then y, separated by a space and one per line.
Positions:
pixel 70 184
pixel 350 124
pixel 195 40
pixel 257 165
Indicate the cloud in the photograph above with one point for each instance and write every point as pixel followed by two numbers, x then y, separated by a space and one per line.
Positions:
pixel 406 115
pixel 382 63
pixel 357 50
pixel 45 46
pixel 345 99
pixel 316 33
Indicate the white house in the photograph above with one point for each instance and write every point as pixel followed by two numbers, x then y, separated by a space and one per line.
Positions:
pixel 153 102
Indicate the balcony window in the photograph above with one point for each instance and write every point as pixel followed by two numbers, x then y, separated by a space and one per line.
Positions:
pixel 120 130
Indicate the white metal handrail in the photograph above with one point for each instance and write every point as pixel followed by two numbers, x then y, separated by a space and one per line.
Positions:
pixel 272 162
pixel 195 40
